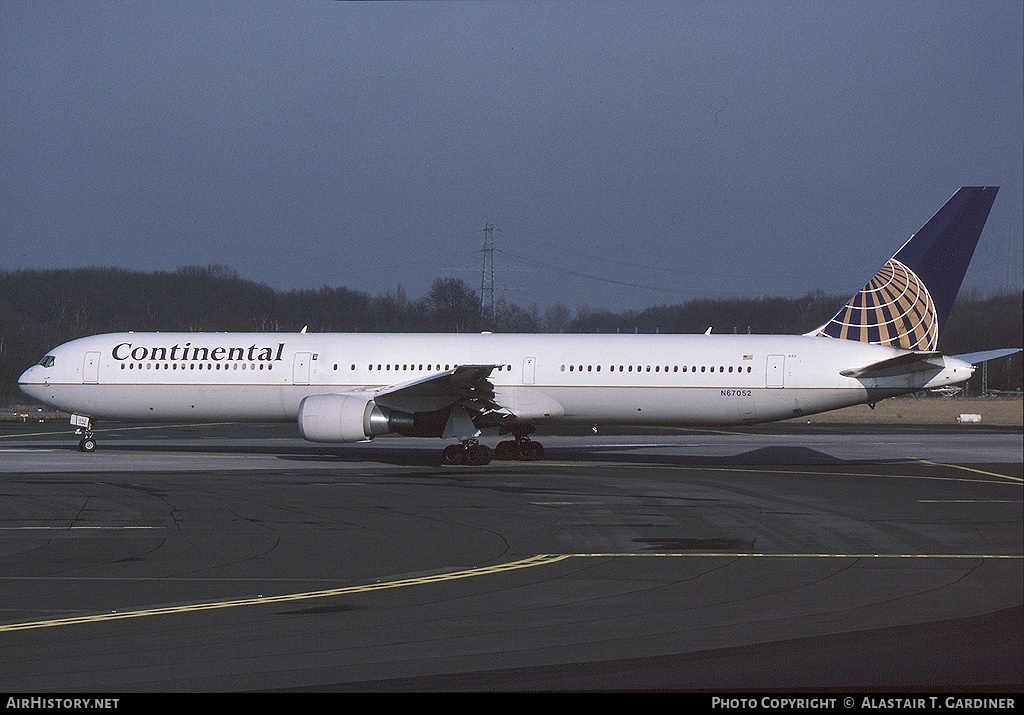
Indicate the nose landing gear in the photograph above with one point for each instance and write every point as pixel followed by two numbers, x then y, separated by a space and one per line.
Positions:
pixel 84 425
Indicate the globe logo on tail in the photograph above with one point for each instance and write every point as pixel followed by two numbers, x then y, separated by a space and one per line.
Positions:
pixel 893 309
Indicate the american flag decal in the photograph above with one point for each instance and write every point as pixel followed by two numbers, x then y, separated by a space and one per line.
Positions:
pixel 748 357
pixel 893 309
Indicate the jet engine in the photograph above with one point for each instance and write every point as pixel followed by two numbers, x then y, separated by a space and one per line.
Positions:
pixel 341 418
pixel 348 417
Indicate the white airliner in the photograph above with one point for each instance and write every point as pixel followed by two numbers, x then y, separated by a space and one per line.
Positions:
pixel 343 387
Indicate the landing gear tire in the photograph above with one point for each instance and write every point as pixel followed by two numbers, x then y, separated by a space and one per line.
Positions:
pixel 530 451
pixel 477 455
pixel 505 450
pixel 453 454
pixel 87 444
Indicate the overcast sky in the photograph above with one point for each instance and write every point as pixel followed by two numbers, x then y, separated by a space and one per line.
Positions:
pixel 628 154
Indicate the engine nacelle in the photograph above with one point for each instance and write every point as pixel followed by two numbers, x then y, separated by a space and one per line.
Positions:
pixel 341 418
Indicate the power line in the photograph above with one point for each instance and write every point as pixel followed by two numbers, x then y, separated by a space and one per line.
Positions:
pixel 580 274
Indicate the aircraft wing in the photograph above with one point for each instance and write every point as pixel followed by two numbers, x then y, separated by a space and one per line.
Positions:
pixel 470 387
pixel 463 384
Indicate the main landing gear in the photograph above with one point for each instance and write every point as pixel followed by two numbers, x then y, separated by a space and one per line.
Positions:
pixel 472 453
pixel 522 448
pixel 469 452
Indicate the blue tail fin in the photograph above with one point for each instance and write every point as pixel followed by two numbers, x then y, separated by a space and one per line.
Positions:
pixel 909 299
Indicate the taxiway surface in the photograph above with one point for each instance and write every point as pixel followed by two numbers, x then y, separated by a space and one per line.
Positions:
pixel 240 558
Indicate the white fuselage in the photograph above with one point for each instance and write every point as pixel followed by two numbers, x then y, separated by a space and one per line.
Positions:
pixel 590 379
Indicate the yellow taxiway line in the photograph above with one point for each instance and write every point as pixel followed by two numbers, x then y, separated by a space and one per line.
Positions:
pixel 531 562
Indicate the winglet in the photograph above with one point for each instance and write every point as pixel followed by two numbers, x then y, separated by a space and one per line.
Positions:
pixel 909 299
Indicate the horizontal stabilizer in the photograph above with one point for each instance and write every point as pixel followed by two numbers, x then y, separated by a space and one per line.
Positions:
pixel 899 365
pixel 986 355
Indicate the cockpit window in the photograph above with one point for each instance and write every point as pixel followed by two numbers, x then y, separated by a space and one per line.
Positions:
pixel 47 361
